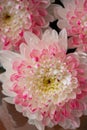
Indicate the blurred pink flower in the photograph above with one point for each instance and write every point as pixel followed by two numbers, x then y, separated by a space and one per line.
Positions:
pixel 16 16
pixel 47 85
pixel 73 17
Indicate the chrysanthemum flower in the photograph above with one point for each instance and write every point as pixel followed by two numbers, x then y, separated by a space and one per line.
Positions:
pixel 16 16
pixel 73 17
pixel 47 85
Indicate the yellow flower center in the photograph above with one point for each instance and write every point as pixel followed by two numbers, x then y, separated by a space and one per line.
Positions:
pixel 48 80
pixel 48 84
pixel 6 17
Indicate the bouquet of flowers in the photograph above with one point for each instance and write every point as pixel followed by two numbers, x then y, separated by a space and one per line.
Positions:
pixel 43 50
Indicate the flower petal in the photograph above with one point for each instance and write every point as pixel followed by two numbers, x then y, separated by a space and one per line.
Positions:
pixel 49 37
pixel 32 40
pixel 6 58
pixel 63 39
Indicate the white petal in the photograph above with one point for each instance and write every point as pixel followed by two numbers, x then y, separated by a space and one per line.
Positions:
pixel 83 61
pixel 77 113
pixel 70 124
pixel 51 9
pixel 18 108
pixel 38 124
pixel 69 3
pixel 7 87
pixel 60 12
pixel 7 92
pixel 49 37
pixel 62 23
pixel 7 84
pixel 63 39
pixel 32 40
pixel 6 58
pixel 8 100
pixel 24 50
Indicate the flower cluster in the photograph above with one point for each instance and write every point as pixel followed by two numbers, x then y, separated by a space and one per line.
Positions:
pixel 17 16
pixel 46 84
pixel 73 17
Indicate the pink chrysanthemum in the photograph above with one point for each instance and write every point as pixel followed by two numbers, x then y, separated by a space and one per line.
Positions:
pixel 47 85
pixel 73 17
pixel 16 16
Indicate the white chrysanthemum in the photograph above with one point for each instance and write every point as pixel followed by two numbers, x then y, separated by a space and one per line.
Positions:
pixel 47 85
pixel 17 16
pixel 13 17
